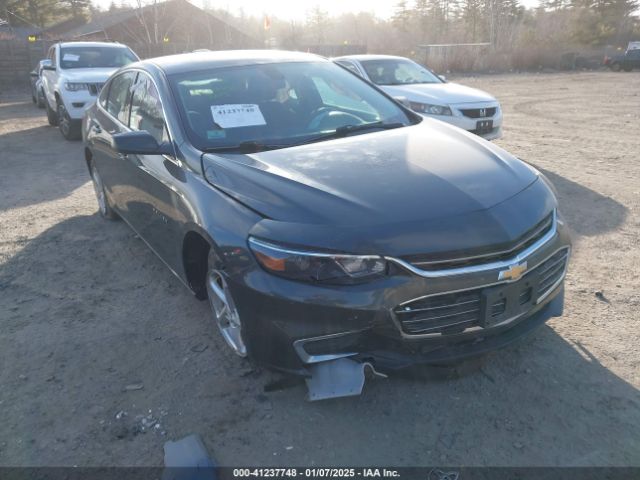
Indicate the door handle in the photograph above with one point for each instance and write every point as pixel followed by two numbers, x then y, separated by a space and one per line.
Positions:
pixel 123 156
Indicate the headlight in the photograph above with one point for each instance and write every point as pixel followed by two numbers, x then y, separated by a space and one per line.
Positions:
pixel 74 87
pixel 430 109
pixel 318 267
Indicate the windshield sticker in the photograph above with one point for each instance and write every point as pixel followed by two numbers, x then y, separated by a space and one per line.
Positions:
pixel 213 134
pixel 237 115
pixel 70 57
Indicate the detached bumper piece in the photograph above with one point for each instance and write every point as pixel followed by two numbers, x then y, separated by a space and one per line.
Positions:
pixel 338 378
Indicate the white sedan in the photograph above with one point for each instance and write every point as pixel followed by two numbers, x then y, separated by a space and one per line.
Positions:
pixel 429 94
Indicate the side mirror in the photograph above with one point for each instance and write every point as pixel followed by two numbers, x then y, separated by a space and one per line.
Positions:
pixel 48 66
pixel 139 143
pixel 442 77
pixel 33 74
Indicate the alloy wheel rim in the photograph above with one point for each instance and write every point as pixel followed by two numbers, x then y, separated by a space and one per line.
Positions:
pixel 97 186
pixel 225 312
pixel 63 119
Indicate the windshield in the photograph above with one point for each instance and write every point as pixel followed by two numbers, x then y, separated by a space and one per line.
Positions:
pixel 96 57
pixel 279 103
pixel 399 71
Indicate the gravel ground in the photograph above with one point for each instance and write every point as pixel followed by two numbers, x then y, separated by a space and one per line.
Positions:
pixel 105 355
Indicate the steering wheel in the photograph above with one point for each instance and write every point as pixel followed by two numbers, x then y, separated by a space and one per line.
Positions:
pixel 318 112
pixel 320 115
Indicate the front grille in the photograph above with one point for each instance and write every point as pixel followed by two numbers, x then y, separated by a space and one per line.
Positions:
pixel 94 88
pixel 451 313
pixel 490 254
pixel 479 112
pixel 551 271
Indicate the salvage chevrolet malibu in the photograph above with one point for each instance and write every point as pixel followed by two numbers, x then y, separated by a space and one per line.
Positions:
pixel 329 226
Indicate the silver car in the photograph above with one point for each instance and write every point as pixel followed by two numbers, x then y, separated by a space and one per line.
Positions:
pixel 429 94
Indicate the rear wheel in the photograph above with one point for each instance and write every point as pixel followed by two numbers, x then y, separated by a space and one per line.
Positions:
pixel 52 116
pixel 40 101
pixel 69 128
pixel 627 69
pixel 104 207
pixel 224 309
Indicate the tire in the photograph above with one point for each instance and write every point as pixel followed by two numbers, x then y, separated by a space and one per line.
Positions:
pixel 104 206
pixel 223 308
pixel 52 117
pixel 69 128
pixel 616 67
pixel 627 69
pixel 41 100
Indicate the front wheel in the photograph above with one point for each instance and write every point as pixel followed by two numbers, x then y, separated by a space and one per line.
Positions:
pixel 615 67
pixel 69 128
pixel 104 207
pixel 224 310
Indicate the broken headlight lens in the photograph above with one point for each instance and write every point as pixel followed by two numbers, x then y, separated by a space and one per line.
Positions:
pixel 318 267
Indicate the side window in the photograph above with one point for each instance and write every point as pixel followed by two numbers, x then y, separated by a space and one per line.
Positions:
pixel 102 99
pixel 350 66
pixel 146 109
pixel 52 56
pixel 118 97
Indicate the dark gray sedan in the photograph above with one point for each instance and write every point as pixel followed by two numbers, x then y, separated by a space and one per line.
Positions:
pixel 325 222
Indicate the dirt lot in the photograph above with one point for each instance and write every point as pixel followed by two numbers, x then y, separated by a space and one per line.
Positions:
pixel 87 310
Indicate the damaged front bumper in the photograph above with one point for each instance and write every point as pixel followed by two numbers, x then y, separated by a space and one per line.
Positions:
pixel 410 317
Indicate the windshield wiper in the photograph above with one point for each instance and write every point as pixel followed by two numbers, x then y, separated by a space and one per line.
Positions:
pixel 347 129
pixel 250 146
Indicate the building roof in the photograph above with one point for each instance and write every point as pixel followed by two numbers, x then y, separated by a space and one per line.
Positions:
pixel 102 21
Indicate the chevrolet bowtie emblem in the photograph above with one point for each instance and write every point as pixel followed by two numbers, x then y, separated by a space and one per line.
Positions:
pixel 514 272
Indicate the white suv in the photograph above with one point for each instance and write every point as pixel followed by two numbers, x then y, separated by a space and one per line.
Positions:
pixel 73 79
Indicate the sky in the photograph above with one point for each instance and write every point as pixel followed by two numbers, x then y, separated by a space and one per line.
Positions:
pixel 297 9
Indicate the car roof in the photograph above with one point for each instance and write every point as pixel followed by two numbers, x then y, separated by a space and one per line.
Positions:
pixel 92 44
pixel 370 57
pixel 187 62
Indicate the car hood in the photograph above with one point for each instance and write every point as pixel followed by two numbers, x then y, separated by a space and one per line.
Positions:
pixel 404 180
pixel 439 93
pixel 88 75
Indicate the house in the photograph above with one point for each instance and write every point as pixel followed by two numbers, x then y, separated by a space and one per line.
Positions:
pixel 173 26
